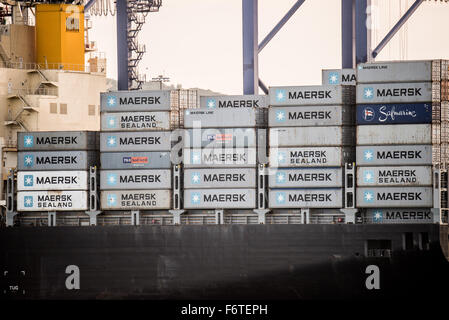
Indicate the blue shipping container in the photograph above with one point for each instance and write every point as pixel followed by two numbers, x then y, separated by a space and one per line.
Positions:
pixel 394 113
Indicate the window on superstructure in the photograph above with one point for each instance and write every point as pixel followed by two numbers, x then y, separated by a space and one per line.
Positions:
pixel 91 109
pixel 53 108
pixel 63 108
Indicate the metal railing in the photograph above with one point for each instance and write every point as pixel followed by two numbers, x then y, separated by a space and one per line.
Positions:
pixel 94 68
pixel 38 91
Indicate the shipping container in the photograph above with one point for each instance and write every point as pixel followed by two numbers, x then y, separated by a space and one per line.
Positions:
pixel 339 76
pixel 403 71
pixel 305 198
pixel 311 157
pixel 141 100
pixel 220 118
pixel 399 215
pixel 309 116
pixel 397 113
pixel 394 197
pixel 312 136
pixel 244 101
pixel 52 200
pixel 395 93
pixel 135 121
pixel 136 200
pixel 135 160
pixel 394 134
pixel 394 176
pixel 135 179
pixel 135 141
pixel 213 138
pixel 57 140
pixel 394 155
pixel 219 198
pixel 312 95
pixel 220 178
pixel 52 180
pixel 220 157
pixel 305 178
pixel 56 160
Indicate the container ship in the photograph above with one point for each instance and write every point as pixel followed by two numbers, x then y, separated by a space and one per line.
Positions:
pixel 334 191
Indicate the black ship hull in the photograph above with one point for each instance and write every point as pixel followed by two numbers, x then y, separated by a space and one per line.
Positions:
pixel 221 262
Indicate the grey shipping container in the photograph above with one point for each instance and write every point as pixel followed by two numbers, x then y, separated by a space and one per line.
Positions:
pixel 136 200
pixel 135 121
pixel 213 138
pixel 396 93
pixel 310 157
pixel 305 178
pixel 305 198
pixel 141 100
pixel 51 200
pixel 403 71
pixel 245 101
pixel 306 116
pixel 56 160
pixel 57 140
pixel 339 76
pixel 312 95
pixel 399 215
pixel 394 155
pixel 220 178
pixel 311 136
pixel 135 160
pixel 135 141
pixel 220 157
pixel 220 198
pixel 394 134
pixel 220 118
pixel 394 176
pixel 135 179
pixel 396 197
pixel 52 180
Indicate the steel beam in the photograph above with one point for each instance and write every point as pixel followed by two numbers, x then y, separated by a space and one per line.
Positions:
pixel 396 28
pixel 250 48
pixel 89 4
pixel 263 87
pixel 347 34
pixel 122 45
pixel 362 37
pixel 280 24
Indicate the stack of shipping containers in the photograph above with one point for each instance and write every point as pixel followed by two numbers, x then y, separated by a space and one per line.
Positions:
pixel 53 170
pixel 220 147
pixel 311 137
pixel 135 145
pixel 402 128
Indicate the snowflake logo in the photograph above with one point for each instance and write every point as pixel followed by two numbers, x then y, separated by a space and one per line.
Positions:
pixel 28 141
pixel 112 141
pixel 111 101
pixel 282 157
pixel 368 93
pixel 28 201
pixel 195 198
pixel 368 196
pixel 280 197
pixel 112 199
pixel 28 180
pixel 211 103
pixel 112 179
pixel 368 176
pixel 196 157
pixel 28 160
pixel 334 78
pixel 111 122
pixel 368 155
pixel 281 95
pixel 280 116
pixel 195 178
pixel 280 177
pixel 378 216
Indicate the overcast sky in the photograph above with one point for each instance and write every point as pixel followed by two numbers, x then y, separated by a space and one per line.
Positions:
pixel 198 43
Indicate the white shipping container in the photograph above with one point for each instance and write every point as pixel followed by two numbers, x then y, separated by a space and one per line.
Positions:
pixel 394 176
pixel 305 178
pixel 310 116
pixel 52 180
pixel 135 121
pixel 399 215
pixel 305 198
pixel 136 200
pixel 219 198
pixel 220 118
pixel 311 136
pixel 135 179
pixel 224 137
pixel 310 157
pixel 339 76
pixel 135 100
pixel 243 101
pixel 52 200
pixel 220 157
pixel 135 141
pixel 394 92
pixel 220 178
pixel 312 95
pixel 394 155
pixel 394 134
pixel 394 197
